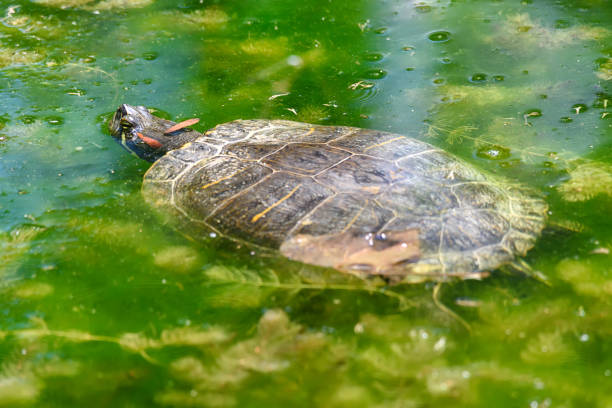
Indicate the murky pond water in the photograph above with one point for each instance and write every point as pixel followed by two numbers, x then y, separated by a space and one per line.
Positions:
pixel 103 305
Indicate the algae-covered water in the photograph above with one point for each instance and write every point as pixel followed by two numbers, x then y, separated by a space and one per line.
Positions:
pixel 102 305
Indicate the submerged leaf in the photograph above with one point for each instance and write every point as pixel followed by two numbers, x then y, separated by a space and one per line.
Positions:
pixel 211 17
pixel 266 47
pixel 587 181
pixel 605 70
pixel 278 345
pixel 191 336
pixel 33 290
pixel 63 3
pixel 584 277
pixel 10 57
pixel 548 348
pixel 18 391
pixel 179 259
pixel 120 4
pixel 13 246
pixel 520 31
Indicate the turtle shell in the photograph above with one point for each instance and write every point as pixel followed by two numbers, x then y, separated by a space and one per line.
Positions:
pixel 354 199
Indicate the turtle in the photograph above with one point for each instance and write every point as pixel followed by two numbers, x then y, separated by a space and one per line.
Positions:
pixel 366 202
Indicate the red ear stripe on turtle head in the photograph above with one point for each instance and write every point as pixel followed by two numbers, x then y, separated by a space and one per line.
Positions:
pixel 181 125
pixel 150 142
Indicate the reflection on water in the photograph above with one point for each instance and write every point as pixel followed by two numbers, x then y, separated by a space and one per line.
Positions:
pixel 103 305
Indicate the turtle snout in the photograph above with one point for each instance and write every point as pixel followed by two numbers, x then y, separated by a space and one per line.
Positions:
pixel 114 125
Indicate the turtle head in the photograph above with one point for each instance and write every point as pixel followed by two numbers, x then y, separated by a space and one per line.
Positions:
pixel 146 135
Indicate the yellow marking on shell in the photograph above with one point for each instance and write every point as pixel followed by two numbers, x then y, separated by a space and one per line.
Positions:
pixel 384 143
pixel 205 186
pixel 371 189
pixel 264 212
pixel 310 132
pixel 352 221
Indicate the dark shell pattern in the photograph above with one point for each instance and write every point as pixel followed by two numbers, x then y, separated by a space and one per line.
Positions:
pixel 354 199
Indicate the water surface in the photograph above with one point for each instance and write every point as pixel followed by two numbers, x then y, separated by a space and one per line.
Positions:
pixel 103 305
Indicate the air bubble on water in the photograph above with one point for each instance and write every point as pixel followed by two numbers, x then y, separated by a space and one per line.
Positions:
pixel 566 119
pixel 439 36
pixel 27 119
pixel 493 152
pixel 54 120
pixel 562 23
pixel 498 78
pixel 374 56
pixel 584 337
pixel 439 81
pixel 375 73
pixel 533 113
pixel 76 92
pixel 440 344
pixel 149 56
pixel 295 60
pixel 423 8
pixel 213 235
pixel 478 78
pixel 579 108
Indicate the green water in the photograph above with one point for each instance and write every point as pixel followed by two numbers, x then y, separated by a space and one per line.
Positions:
pixel 103 306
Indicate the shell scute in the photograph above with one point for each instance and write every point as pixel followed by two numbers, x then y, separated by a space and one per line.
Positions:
pixel 204 187
pixel 297 132
pixel 194 152
pixel 359 174
pixel 467 230
pixel 166 168
pixel 440 165
pixel 237 130
pixel 250 151
pixel 418 197
pixel 386 145
pixel 345 212
pixel 479 195
pixel 304 158
pixel 267 212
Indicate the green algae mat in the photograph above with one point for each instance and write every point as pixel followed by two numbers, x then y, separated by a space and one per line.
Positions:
pixel 103 305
